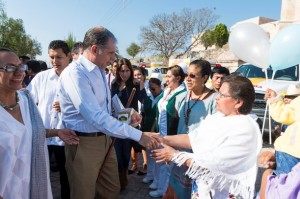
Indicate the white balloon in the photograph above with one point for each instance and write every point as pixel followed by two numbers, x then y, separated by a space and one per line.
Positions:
pixel 250 43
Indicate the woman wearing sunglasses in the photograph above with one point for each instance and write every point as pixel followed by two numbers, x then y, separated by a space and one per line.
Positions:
pixel 24 170
pixel 199 102
pixel 225 146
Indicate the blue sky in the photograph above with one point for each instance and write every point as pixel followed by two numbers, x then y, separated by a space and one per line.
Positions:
pixel 47 20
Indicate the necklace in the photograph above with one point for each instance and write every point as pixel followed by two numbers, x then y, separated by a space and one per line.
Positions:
pixel 13 107
pixel 189 109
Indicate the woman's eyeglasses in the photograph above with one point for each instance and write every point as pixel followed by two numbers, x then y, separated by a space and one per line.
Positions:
pixel 191 75
pixel 13 68
pixel 222 96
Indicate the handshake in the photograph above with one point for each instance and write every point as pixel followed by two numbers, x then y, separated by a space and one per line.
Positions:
pixel 159 146
pixel 151 140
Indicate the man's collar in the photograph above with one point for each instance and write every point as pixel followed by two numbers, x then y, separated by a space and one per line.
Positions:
pixel 87 63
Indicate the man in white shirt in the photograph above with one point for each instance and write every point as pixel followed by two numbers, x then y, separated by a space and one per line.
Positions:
pixel 43 90
pixel 85 103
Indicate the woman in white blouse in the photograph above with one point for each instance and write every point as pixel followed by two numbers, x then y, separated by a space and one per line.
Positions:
pixel 167 123
pixel 24 168
pixel 225 145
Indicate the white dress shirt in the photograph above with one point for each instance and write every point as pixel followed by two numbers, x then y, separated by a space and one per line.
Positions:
pixel 15 154
pixel 110 78
pixel 86 101
pixel 43 91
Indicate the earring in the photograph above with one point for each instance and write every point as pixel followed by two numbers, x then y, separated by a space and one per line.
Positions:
pixel 237 111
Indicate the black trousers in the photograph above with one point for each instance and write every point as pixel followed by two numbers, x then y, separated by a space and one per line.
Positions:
pixel 60 158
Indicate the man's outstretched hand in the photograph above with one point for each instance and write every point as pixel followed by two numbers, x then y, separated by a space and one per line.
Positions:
pixel 149 140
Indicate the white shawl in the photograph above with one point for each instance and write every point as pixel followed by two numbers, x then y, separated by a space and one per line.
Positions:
pixel 225 151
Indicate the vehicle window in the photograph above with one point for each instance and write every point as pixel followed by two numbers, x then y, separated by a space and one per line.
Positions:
pixel 242 70
pixel 288 74
pixel 255 72
pixel 251 71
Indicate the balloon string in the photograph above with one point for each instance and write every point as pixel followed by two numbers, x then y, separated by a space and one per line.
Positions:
pixel 270 125
pixel 268 85
pixel 267 104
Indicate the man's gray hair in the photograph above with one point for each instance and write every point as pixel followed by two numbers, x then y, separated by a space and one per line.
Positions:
pixel 98 35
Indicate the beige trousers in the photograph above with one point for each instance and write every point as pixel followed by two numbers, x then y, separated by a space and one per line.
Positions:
pixel 83 162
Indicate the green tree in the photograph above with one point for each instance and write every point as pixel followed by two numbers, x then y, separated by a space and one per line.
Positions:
pixel 133 50
pixel 13 36
pixel 221 35
pixel 170 34
pixel 71 40
pixel 207 39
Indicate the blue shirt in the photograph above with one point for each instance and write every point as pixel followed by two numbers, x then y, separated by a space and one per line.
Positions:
pixel 85 101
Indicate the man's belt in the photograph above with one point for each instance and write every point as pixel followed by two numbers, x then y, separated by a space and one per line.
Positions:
pixel 92 134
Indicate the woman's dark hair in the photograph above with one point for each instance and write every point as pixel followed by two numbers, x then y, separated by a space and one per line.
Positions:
pixel 126 62
pixel 177 71
pixel 142 70
pixel 203 65
pixel 241 88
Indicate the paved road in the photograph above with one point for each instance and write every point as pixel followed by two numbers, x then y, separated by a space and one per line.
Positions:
pixel 136 189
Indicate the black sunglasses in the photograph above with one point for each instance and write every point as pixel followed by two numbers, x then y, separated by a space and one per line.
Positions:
pixel 191 75
pixel 13 68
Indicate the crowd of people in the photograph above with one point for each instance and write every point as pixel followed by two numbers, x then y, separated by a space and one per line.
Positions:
pixel 196 141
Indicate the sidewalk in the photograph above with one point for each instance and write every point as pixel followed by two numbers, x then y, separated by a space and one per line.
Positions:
pixel 136 189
